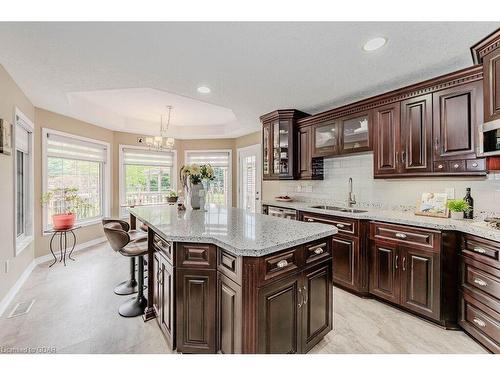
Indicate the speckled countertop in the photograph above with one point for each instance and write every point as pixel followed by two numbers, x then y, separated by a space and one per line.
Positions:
pixel 235 230
pixel 475 227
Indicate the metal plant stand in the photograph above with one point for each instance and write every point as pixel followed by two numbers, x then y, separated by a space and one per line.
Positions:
pixel 63 243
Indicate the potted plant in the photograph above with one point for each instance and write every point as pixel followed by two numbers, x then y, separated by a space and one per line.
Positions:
pixel 65 203
pixel 192 176
pixel 457 208
pixel 172 196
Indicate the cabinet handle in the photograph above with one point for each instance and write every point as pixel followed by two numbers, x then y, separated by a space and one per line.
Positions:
pixel 479 250
pixel 474 165
pixel 309 219
pixel 159 277
pixel 318 251
pixel 479 322
pixel 300 298
pixel 436 144
pixel 403 156
pixel 340 225
pixel 305 296
pixel 456 166
pixel 480 282
pixel 400 235
pixel 404 263
pixel 282 263
pixel 397 157
pixel 396 262
pixel 440 166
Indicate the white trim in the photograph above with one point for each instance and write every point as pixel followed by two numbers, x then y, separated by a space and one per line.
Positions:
pixel 230 177
pixel 258 151
pixel 11 294
pixel 121 174
pixel 29 126
pixel 107 172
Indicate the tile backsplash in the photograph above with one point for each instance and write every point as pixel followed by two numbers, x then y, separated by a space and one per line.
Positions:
pixel 395 194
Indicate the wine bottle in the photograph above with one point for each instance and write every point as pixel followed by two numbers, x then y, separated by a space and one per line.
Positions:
pixel 469 214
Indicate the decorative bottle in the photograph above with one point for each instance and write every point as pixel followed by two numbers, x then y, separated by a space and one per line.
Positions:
pixel 469 214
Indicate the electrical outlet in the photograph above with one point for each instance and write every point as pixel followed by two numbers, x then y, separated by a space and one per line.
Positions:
pixel 299 188
pixel 7 266
pixel 450 192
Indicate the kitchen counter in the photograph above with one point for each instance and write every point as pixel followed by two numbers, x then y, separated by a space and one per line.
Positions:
pixel 236 230
pixel 474 227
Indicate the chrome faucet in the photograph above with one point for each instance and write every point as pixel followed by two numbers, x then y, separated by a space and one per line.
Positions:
pixel 351 198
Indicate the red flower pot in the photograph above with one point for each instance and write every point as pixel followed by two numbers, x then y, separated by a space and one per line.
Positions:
pixel 63 221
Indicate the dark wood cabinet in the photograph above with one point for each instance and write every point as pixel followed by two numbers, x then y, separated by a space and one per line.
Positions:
pixel 309 167
pixel 325 140
pixel 279 144
pixel 164 297
pixel 386 134
pixel 416 135
pixel 196 310
pixel 384 272
pixel 343 253
pixel 457 114
pixel 355 133
pixel 420 287
pixel 229 315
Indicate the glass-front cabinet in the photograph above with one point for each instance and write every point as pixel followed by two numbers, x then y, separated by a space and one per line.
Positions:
pixel 266 153
pixel 325 138
pixel 355 135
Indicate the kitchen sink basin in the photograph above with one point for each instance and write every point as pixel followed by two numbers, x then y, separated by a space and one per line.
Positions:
pixel 340 209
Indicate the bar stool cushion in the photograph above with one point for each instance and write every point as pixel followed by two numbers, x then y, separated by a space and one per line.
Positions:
pixel 137 234
pixel 135 248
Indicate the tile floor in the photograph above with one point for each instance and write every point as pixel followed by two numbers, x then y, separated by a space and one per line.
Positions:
pixel 76 312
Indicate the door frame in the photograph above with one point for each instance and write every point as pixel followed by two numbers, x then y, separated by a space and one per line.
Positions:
pixel 258 162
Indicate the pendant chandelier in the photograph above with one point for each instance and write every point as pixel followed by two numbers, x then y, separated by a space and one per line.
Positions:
pixel 162 142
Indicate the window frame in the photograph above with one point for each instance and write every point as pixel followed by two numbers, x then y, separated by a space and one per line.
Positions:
pixel 230 169
pixel 23 241
pixel 106 178
pixel 121 174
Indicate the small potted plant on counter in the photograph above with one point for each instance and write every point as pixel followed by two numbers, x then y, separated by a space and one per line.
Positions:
pixel 64 203
pixel 172 196
pixel 457 208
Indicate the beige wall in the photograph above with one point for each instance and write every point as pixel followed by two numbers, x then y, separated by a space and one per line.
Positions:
pixel 11 96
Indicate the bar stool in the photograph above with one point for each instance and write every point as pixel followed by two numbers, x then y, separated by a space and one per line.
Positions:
pixel 127 287
pixel 120 241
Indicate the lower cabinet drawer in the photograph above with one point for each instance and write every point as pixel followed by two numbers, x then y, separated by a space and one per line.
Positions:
pixel 478 279
pixel 483 322
pixel 485 251
pixel 281 264
pixel 408 236
pixel 316 252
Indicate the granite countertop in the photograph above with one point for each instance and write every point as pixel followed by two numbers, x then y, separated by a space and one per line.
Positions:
pixel 235 230
pixel 475 227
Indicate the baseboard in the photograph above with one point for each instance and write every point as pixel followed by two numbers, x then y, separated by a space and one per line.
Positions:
pixel 78 247
pixel 5 302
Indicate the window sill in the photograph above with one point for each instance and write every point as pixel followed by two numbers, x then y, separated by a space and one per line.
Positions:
pixel 23 244
pixel 81 224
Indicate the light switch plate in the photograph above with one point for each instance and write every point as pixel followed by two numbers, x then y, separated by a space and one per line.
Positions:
pixel 450 192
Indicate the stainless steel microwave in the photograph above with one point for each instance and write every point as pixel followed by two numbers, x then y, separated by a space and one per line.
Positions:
pixel 489 138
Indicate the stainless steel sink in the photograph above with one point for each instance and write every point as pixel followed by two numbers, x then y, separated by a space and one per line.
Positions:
pixel 340 209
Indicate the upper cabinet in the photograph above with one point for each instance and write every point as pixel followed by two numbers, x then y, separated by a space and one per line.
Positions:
pixel 386 132
pixel 279 144
pixel 487 52
pixel 325 138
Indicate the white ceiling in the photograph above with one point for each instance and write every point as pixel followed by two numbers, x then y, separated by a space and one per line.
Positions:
pixel 122 75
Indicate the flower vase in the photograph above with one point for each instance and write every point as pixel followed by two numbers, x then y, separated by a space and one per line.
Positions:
pixel 196 196
pixel 457 215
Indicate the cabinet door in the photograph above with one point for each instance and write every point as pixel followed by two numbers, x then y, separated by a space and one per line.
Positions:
pixel 325 139
pixel 196 309
pixel 167 301
pixel 275 143
pixel 229 315
pixel 304 151
pixel 491 68
pixel 266 150
pixel 416 134
pixel 420 286
pixel 279 316
pixel 384 271
pixel 316 305
pixel 343 259
pixel 355 133
pixel 156 285
pixel 457 115
pixel 386 139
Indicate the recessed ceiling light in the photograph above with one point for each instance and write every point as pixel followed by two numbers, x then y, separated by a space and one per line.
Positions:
pixel 374 44
pixel 204 90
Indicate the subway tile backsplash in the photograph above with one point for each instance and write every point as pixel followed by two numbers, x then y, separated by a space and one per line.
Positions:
pixel 393 194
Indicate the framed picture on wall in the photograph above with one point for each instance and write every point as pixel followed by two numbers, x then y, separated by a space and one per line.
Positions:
pixel 432 204
pixel 5 138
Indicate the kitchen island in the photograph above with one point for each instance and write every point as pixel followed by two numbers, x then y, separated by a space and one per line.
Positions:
pixel 229 281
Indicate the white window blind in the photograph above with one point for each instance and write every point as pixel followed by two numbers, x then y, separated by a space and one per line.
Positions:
pixel 22 138
pixel 145 157
pixel 59 146
pixel 214 158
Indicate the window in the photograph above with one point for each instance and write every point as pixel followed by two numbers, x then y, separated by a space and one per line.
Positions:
pixel 81 163
pixel 219 190
pixel 23 181
pixel 146 175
